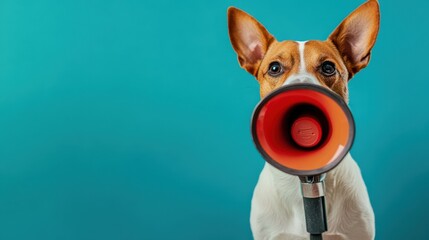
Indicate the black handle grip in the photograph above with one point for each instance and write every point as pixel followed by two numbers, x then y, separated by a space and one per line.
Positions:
pixel 316 237
pixel 315 216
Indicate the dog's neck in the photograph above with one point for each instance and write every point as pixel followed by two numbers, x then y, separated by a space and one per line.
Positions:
pixel 288 185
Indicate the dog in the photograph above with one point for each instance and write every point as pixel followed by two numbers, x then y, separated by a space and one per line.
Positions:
pixel 277 207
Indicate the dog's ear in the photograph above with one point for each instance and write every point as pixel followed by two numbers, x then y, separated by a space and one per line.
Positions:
pixel 356 35
pixel 249 39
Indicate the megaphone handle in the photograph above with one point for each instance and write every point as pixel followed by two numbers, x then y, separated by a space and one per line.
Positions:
pixel 315 217
pixel 314 207
pixel 316 237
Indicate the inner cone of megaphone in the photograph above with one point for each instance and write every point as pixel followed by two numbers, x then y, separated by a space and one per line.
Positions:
pixel 303 129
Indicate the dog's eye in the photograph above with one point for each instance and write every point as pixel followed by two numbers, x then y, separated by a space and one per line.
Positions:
pixel 275 69
pixel 328 68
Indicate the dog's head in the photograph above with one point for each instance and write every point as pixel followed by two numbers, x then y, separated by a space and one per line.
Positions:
pixel 331 63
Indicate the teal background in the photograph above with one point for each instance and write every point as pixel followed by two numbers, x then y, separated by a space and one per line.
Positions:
pixel 130 119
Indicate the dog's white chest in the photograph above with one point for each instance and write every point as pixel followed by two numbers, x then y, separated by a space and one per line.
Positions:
pixel 278 212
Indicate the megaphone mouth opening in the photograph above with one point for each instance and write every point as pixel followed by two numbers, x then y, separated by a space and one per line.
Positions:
pixel 306 127
pixel 303 129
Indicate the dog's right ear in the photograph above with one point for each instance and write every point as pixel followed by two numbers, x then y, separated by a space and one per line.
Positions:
pixel 356 35
pixel 249 39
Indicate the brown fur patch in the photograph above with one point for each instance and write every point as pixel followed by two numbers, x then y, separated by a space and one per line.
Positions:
pixel 317 52
pixel 287 54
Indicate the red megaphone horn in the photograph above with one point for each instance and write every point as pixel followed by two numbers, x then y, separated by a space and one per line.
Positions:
pixel 303 129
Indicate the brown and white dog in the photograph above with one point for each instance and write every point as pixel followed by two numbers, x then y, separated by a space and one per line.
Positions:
pixel 277 208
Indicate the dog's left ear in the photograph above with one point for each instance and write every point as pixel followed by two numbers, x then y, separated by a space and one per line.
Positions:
pixel 356 35
pixel 249 39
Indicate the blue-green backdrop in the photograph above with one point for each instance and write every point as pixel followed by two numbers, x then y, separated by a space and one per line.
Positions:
pixel 130 119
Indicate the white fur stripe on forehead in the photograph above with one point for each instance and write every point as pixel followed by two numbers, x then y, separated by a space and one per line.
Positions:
pixel 301 46
pixel 302 76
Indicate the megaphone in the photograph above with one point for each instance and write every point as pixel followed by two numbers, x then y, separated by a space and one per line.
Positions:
pixel 304 130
